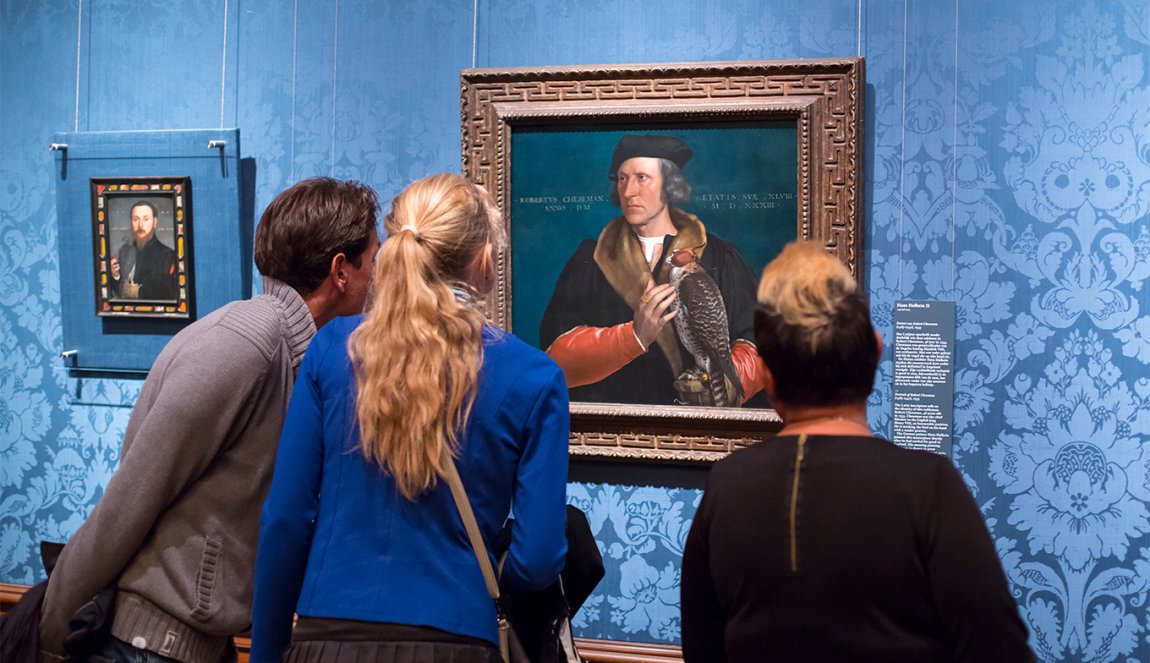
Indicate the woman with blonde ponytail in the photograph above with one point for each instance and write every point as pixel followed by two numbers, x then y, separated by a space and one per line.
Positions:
pixel 360 536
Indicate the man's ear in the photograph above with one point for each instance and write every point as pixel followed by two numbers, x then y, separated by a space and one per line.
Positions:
pixel 878 344
pixel 339 272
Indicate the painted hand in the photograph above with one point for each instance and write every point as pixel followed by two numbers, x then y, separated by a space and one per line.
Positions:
pixel 654 311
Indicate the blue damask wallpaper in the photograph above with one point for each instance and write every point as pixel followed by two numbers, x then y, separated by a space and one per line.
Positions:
pixel 640 531
pixel 1007 168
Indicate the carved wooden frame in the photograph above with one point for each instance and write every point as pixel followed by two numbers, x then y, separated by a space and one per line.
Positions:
pixel 824 97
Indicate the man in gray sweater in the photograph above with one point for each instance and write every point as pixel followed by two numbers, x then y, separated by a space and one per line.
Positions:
pixel 175 531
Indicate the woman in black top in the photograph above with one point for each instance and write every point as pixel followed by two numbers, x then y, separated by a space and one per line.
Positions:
pixel 827 543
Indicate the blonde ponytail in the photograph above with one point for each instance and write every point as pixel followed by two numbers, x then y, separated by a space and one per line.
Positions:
pixel 418 352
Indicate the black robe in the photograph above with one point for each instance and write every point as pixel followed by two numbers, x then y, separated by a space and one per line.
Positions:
pixel 584 297
pixel 156 271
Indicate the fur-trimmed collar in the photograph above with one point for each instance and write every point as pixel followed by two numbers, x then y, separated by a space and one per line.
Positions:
pixel 619 254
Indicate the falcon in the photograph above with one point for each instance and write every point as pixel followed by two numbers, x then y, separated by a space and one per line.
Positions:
pixel 703 330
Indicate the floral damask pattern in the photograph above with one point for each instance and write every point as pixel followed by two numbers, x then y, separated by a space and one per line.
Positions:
pixel 1058 220
pixel 969 282
pixel 1044 195
pixel 1080 170
pixel 640 532
pixel 1007 169
pixel 1074 460
pixel 1073 455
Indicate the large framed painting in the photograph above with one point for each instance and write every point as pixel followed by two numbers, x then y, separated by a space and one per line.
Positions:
pixel 619 185
pixel 141 253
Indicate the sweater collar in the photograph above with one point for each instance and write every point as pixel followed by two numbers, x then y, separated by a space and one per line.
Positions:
pixel 299 326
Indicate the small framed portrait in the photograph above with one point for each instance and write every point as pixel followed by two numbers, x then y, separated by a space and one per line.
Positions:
pixel 142 246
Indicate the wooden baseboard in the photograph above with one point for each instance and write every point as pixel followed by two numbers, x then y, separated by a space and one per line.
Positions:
pixel 613 651
pixel 9 595
pixel 593 651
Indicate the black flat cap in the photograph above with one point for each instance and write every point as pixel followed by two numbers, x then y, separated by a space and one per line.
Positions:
pixel 649 145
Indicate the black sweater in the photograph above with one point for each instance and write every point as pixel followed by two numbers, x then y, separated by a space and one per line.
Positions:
pixel 887 560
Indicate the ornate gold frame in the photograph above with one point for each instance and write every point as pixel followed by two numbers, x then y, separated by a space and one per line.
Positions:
pixel 823 97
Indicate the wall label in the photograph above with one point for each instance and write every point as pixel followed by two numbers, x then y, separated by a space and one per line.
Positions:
pixel 923 393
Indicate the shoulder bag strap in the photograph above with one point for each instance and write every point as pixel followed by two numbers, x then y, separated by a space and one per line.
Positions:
pixel 464 505
pixel 459 494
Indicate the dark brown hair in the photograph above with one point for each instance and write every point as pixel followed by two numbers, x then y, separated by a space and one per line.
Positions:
pixel 309 224
pixel 144 203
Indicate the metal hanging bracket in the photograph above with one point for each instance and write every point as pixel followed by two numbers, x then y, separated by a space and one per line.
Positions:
pixel 62 148
pixel 221 145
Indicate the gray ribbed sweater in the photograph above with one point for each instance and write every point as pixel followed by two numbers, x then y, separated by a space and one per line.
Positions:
pixel 177 525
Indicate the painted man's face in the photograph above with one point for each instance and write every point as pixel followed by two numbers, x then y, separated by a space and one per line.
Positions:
pixel 143 224
pixel 639 184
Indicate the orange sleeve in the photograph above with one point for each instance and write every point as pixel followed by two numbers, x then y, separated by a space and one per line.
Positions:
pixel 750 366
pixel 589 354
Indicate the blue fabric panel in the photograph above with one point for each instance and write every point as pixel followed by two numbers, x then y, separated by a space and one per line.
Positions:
pixel 154 64
pixel 1006 168
pixel 220 241
pixel 265 109
pixel 640 531
pixel 555 32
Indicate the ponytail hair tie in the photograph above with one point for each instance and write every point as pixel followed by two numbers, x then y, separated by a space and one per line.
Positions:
pixel 410 227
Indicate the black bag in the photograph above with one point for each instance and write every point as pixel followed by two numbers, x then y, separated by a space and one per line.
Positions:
pixel 91 624
pixel 558 645
pixel 20 626
pixel 542 619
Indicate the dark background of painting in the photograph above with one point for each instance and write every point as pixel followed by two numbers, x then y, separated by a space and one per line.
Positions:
pixel 119 215
pixel 743 177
